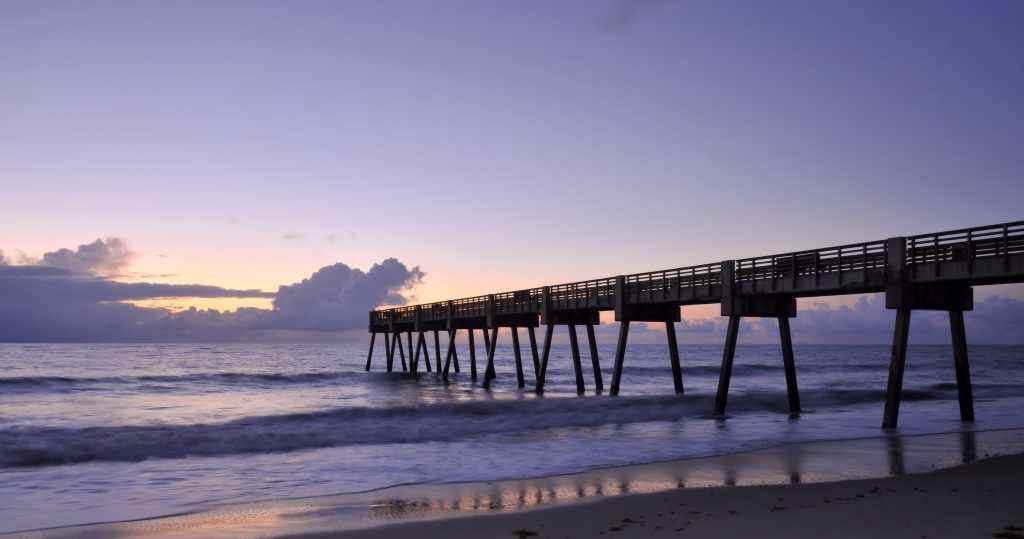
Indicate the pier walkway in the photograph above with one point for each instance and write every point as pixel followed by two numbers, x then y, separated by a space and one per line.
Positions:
pixel 926 272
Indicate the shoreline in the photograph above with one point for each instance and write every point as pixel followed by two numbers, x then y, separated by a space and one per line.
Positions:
pixel 476 508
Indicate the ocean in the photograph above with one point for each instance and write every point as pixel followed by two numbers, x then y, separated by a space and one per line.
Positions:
pixel 109 432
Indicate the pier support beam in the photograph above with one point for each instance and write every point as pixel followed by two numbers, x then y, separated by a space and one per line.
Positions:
pixel 401 350
pixel 595 362
pixel 369 355
pixel 673 354
pixel 520 379
pixel 737 306
pixel 533 348
pixel 437 350
pixel 570 319
pixel 389 341
pixel 422 344
pixel 725 374
pixel 451 350
pixel 548 332
pixel 620 357
pixel 905 298
pixel 412 363
pixel 625 312
pixel 488 368
pixel 897 362
pixel 788 361
pixel 790 365
pixel 577 365
pixel 962 366
pixel 489 371
pixel 472 355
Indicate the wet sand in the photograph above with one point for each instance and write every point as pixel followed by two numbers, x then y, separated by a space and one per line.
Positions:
pixel 943 485
pixel 982 499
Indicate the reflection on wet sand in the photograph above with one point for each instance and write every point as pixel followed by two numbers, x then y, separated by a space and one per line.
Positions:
pixel 807 463
pixel 799 463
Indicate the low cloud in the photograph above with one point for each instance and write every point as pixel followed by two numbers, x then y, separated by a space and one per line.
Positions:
pixel 3 259
pixel 67 296
pixel 104 257
pixel 338 296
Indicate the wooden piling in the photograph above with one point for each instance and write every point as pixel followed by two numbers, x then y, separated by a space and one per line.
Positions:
pixel 391 350
pixel 963 369
pixel 412 363
pixel 673 354
pixel 789 364
pixel 426 351
pixel 455 352
pixel 533 348
pixel 519 357
pixel 401 350
pixel 897 363
pixel 594 360
pixel 725 374
pixel 576 364
pixel 451 349
pixel 369 355
pixel 548 332
pixel 472 355
pixel 437 350
pixel 489 371
pixel 620 357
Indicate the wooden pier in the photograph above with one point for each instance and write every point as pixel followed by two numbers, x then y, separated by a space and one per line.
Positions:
pixel 925 272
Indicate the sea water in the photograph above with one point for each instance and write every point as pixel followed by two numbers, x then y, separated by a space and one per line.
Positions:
pixel 101 432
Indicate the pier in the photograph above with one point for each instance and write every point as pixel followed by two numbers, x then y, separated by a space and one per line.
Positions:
pixel 925 272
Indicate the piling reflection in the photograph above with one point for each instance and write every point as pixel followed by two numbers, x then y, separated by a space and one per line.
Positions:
pixel 894 450
pixel 812 463
pixel 968 447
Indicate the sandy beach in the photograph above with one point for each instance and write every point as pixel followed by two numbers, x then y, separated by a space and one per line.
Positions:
pixel 981 499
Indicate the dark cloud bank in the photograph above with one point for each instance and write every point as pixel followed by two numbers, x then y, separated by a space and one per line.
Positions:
pixel 69 296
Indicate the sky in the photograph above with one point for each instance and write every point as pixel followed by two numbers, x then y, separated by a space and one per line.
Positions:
pixel 469 147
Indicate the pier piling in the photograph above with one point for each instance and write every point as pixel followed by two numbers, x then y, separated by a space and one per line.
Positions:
pixel 594 360
pixel 472 355
pixel 577 365
pixel 520 379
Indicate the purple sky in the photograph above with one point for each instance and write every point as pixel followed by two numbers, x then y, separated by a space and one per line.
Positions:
pixel 497 145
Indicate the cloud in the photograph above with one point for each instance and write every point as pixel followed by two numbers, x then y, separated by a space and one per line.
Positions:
pixel 101 256
pixel 60 304
pixel 625 12
pixel 338 296
pixel 3 259
pixel 294 237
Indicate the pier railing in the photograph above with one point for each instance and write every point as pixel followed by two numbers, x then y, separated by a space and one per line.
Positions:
pixel 434 312
pixel 592 294
pixel 968 243
pixel 844 258
pixel 680 284
pixel 519 302
pixel 474 307
pixel 404 315
pixel 980 255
